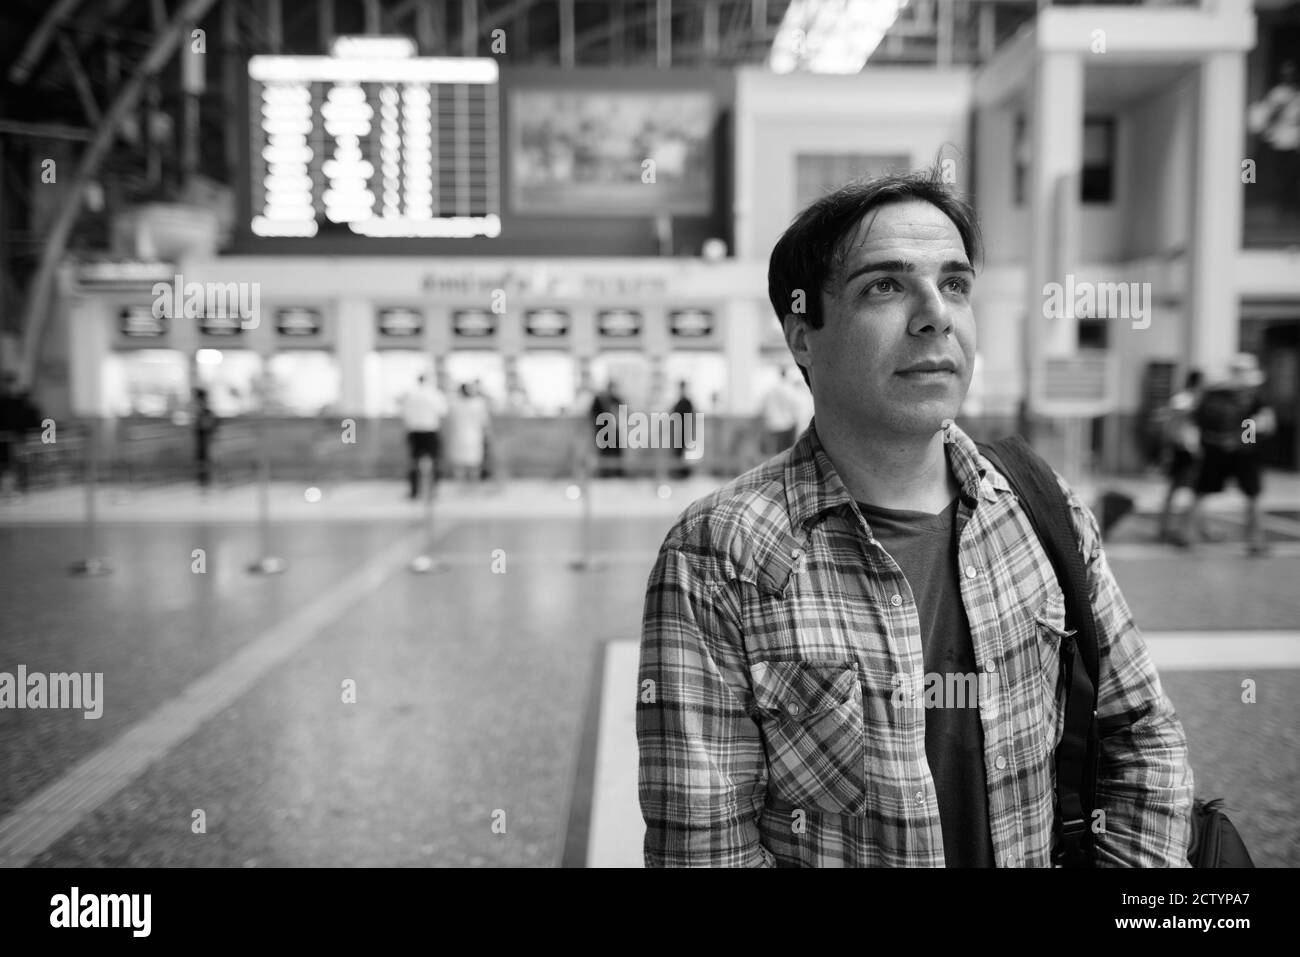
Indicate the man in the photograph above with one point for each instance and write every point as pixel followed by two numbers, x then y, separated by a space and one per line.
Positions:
pixel 13 423
pixel 609 455
pixel 684 408
pixel 793 617
pixel 423 410
pixel 1231 416
pixel 1180 439
pixel 780 411
pixel 205 426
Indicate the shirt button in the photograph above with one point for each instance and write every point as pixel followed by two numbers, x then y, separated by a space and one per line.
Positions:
pixel 970 571
pixel 991 666
pixel 895 600
pixel 920 797
pixel 1011 860
pixel 1000 762
pixel 792 708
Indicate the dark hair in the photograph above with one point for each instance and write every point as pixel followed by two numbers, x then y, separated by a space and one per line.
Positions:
pixel 812 249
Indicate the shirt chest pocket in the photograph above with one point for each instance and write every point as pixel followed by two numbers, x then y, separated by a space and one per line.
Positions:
pixel 814 735
pixel 1052 635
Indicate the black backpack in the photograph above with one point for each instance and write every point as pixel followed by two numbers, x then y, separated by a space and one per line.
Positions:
pixel 1215 842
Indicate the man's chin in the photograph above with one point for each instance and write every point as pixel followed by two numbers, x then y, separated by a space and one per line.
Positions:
pixel 925 419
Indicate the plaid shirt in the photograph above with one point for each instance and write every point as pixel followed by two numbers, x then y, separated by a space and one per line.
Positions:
pixel 776 631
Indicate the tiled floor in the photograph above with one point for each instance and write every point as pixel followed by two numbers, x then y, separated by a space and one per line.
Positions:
pixel 351 712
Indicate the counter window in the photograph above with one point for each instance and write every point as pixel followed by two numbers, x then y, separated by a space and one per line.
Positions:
pixel 303 383
pixel 231 378
pixel 389 376
pixel 549 383
pixel 486 368
pixel 152 382
pixel 705 374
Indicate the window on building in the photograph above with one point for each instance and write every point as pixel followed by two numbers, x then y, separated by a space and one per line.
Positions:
pixel 1023 153
pixel 1098 160
pixel 1097 180
pixel 1094 333
pixel 818 173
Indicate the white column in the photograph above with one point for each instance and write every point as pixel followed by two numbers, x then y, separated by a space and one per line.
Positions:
pixel 1216 209
pixel 354 340
pixel 1056 131
pixel 744 162
pixel 90 326
pixel 740 344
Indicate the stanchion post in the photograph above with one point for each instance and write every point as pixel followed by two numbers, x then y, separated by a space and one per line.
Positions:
pixel 92 564
pixel 267 564
pixel 585 460
pixel 426 562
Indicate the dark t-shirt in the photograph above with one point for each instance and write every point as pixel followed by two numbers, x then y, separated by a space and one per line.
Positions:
pixel 925 547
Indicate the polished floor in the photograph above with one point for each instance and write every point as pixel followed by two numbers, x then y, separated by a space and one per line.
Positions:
pixel 350 712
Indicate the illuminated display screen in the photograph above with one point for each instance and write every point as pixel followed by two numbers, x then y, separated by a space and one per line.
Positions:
pixel 391 145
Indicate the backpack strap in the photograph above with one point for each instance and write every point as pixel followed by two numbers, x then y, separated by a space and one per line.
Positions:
pixel 1043 500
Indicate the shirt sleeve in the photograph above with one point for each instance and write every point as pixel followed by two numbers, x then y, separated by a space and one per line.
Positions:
pixel 702 773
pixel 1144 781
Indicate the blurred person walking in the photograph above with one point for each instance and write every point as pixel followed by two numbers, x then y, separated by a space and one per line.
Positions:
pixel 609 455
pixel 683 410
pixel 1180 440
pixel 206 423
pixel 18 416
pixel 423 410
pixel 1231 415
pixel 468 425
pixel 781 415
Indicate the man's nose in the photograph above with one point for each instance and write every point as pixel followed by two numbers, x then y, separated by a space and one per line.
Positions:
pixel 930 312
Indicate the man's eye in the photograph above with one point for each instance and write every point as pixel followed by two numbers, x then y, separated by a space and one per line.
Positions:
pixel 960 285
pixel 881 285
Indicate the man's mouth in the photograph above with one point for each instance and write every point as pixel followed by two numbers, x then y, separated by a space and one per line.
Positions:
pixel 929 369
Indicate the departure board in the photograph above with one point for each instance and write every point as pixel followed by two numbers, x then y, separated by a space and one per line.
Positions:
pixel 381 145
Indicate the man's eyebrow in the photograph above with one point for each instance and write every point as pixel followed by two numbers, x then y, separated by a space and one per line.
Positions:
pixel 903 265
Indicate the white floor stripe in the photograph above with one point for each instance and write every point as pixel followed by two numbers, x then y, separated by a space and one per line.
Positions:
pixel 1223 650
pixel 617 831
pixel 54 810
pixel 1219 551
pixel 616 826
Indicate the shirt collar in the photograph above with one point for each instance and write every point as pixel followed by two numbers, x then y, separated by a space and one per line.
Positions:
pixel 813 486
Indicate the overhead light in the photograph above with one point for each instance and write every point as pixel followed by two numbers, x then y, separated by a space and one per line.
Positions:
pixel 372 46
pixel 831 36
pixel 305 69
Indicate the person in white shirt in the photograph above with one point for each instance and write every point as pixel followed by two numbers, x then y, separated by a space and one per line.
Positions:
pixel 468 422
pixel 423 410
pixel 784 415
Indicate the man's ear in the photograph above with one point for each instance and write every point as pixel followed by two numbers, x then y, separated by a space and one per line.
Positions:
pixel 796 338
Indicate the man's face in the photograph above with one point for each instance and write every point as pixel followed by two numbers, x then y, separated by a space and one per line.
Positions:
pixel 896 348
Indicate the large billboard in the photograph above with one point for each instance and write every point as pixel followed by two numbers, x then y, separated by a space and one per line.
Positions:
pixel 620 153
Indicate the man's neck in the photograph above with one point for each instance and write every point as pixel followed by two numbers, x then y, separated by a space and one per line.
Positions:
pixel 892 471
